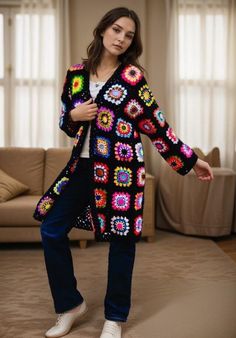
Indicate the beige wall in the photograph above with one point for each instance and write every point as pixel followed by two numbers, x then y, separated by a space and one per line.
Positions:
pixel 84 15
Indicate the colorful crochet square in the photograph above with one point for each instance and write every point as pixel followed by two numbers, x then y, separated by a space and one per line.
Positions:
pixel 77 102
pixel 132 75
pixel 136 134
pixel 102 146
pixel 147 126
pixel 138 201
pixel 101 172
pixel 133 109
pixel 115 94
pixel 141 177
pixel 161 145
pixel 171 135
pixel 159 116
pixel 139 151
pixel 175 162
pixel 123 152
pixel 146 95
pixel 73 165
pixel 122 177
pixel 121 201
pixel 102 222
pixel 123 128
pixel 105 119
pixel 77 67
pixel 78 135
pixel 138 225
pixel 120 225
pixel 77 84
pixel 186 150
pixel 45 204
pixel 100 198
pixel 60 185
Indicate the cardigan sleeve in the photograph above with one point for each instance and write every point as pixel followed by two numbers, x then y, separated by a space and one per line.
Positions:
pixel 151 122
pixel 69 126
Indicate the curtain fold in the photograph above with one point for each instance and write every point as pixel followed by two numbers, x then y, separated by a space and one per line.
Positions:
pixel 201 76
pixel 42 56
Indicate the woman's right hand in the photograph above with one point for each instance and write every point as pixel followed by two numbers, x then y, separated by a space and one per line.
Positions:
pixel 86 111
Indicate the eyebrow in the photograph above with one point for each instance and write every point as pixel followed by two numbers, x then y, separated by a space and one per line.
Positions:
pixel 123 28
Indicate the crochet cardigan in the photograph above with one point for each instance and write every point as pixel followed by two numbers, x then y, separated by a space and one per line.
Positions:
pixel 126 108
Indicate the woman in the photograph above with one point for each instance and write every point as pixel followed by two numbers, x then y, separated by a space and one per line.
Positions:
pixel 106 104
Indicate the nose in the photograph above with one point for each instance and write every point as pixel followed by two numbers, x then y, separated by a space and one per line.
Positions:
pixel 121 38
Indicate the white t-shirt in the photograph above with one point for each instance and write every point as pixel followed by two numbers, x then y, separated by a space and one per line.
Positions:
pixel 94 88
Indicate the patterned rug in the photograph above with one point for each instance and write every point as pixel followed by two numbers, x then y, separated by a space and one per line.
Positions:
pixel 183 287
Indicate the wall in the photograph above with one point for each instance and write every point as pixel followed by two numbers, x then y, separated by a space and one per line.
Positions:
pixel 85 15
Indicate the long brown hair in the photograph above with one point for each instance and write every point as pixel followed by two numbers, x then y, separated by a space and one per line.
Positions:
pixel 95 48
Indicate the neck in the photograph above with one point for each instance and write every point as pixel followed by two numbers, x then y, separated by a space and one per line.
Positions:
pixel 108 62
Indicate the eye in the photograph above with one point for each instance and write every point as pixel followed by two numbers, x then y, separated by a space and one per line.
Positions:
pixel 115 29
pixel 130 37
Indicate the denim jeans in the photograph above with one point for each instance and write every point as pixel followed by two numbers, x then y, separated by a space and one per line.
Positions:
pixel 58 259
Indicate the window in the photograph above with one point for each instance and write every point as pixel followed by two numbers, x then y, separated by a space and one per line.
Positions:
pixel 202 72
pixel 27 77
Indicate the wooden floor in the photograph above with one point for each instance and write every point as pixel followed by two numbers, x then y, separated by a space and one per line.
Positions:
pixel 228 245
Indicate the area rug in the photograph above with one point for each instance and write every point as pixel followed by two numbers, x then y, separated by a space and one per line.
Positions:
pixel 183 287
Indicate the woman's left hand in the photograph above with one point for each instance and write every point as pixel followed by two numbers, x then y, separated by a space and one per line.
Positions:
pixel 203 170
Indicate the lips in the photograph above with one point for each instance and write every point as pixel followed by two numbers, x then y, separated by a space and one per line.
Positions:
pixel 117 46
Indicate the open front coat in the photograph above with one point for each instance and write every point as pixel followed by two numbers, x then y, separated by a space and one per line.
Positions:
pixel 126 108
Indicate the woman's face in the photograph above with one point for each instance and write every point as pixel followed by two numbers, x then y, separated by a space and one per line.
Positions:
pixel 118 37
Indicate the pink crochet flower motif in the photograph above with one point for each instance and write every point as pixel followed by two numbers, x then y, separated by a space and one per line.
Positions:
pixel 120 225
pixel 138 201
pixel 132 75
pixel 123 152
pixel 138 224
pixel 121 201
pixel 186 150
pixel 161 145
pixel 171 135
pixel 78 66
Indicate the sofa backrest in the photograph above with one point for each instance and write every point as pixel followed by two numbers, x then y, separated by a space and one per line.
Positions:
pixel 26 165
pixel 55 161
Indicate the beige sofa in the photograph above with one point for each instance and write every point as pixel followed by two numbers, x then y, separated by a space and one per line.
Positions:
pixel 37 168
pixel 191 207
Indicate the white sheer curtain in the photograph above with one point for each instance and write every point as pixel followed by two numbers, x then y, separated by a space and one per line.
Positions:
pixel 201 76
pixel 42 55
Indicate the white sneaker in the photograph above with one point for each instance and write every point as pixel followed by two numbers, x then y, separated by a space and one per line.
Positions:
pixel 111 330
pixel 66 320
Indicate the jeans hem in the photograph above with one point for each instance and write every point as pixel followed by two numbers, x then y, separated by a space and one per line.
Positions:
pixel 68 309
pixel 116 319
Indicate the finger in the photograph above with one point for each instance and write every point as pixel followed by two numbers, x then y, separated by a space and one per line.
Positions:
pixel 93 105
pixel 89 101
pixel 94 110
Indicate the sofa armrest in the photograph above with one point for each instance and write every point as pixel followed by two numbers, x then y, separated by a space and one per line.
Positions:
pixel 193 207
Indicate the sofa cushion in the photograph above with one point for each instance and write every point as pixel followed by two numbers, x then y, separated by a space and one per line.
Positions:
pixel 19 211
pixel 10 187
pixel 25 165
pixel 55 161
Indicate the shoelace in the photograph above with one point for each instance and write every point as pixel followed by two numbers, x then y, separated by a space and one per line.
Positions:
pixel 59 318
pixel 110 328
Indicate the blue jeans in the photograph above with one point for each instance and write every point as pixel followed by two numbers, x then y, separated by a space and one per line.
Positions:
pixel 58 259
